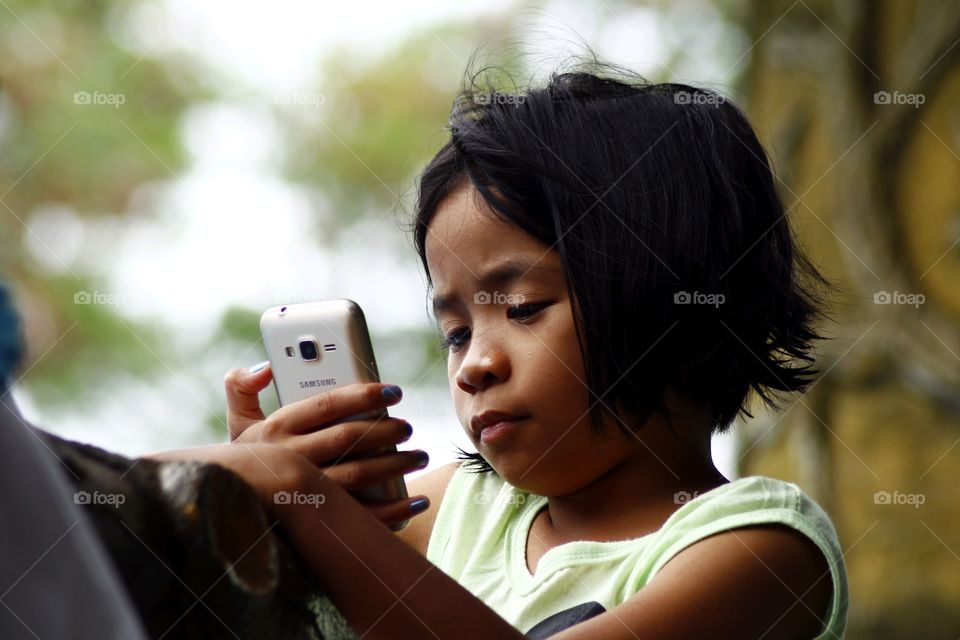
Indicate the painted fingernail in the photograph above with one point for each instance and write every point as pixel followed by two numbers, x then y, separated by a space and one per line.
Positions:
pixel 418 505
pixel 422 458
pixel 258 367
pixel 391 393
pixel 409 429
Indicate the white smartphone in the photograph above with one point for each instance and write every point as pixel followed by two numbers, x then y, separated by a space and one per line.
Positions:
pixel 315 347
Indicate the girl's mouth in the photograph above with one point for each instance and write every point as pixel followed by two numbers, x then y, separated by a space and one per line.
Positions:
pixel 497 431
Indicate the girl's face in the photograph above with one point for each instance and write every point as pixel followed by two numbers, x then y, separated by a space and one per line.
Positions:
pixel 514 349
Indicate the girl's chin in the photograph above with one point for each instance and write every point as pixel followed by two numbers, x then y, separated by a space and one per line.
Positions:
pixel 521 473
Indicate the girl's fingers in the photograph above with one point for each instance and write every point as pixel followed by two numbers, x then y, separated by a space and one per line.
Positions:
pixel 398 510
pixel 336 444
pixel 314 413
pixel 243 403
pixel 365 472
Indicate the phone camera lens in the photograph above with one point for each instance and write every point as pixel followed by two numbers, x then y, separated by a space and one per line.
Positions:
pixel 308 349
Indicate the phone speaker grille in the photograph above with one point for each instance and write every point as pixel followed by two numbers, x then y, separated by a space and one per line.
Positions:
pixel 329 347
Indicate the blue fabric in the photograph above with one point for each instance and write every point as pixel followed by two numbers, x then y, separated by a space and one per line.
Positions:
pixel 11 347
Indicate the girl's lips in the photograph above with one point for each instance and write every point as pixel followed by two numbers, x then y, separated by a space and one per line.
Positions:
pixel 491 417
pixel 496 432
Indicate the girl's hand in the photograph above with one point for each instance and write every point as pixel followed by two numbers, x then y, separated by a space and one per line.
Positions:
pixel 280 476
pixel 345 451
pixel 268 468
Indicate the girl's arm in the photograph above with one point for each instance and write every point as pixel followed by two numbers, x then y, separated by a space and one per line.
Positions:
pixel 764 581
pixel 380 584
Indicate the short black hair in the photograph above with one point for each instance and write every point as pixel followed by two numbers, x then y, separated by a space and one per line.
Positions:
pixel 681 266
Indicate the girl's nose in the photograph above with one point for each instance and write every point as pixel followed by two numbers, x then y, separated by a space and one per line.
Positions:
pixel 481 368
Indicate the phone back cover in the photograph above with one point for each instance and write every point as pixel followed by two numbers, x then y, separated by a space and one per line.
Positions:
pixel 343 346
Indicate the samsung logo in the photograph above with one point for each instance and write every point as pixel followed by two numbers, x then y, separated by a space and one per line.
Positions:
pixel 322 382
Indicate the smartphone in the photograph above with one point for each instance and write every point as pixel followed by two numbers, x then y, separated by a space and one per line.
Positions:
pixel 315 347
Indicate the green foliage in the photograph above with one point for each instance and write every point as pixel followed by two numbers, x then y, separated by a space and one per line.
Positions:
pixel 81 345
pixel 379 123
pixel 240 325
pixel 84 123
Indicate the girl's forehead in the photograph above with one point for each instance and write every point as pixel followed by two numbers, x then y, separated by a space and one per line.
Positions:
pixel 463 224
pixel 466 254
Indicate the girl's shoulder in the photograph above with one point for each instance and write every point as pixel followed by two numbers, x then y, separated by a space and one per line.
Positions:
pixel 753 501
pixel 749 497
pixel 746 501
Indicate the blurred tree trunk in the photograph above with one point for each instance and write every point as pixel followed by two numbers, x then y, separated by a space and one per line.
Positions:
pixel 857 104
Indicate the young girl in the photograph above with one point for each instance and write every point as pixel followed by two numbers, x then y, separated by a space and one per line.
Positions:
pixel 612 272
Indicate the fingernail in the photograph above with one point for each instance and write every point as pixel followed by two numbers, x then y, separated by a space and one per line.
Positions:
pixel 422 458
pixel 409 430
pixel 391 393
pixel 418 505
pixel 258 367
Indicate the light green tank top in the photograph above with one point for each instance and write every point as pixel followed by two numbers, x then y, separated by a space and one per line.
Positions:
pixel 479 539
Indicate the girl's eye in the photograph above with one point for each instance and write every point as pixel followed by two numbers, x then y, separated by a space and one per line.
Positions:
pixel 458 337
pixel 523 311
pixel 453 339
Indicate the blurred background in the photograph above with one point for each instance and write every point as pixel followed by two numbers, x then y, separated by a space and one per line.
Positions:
pixel 171 169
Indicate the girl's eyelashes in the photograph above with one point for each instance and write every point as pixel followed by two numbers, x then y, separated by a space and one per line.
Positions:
pixel 451 340
pixel 523 311
pixel 457 337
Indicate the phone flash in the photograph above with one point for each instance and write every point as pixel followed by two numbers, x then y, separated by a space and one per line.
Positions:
pixel 291 352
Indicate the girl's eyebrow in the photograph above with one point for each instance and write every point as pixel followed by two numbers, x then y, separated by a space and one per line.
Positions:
pixel 500 275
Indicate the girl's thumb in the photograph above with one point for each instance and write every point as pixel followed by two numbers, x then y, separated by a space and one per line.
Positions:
pixel 242 387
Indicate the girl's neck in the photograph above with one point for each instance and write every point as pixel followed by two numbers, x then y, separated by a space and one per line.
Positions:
pixel 637 494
